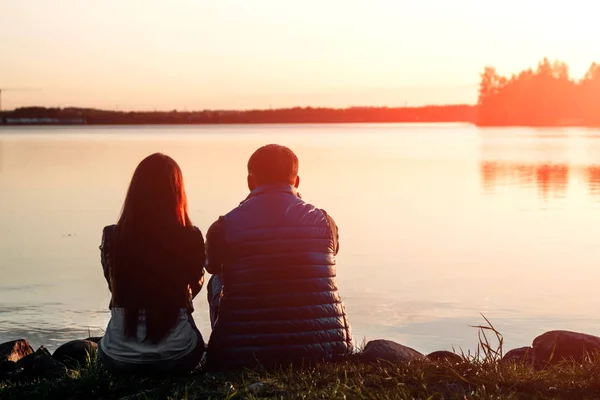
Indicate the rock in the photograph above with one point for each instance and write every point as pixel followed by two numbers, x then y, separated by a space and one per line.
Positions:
pixel 389 351
pixel 15 350
pixel 75 352
pixel 39 365
pixel 256 387
pixel 7 369
pixel 444 355
pixel 555 346
pixel 521 355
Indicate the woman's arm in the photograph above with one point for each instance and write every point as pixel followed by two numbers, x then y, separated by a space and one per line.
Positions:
pixel 105 252
pixel 198 253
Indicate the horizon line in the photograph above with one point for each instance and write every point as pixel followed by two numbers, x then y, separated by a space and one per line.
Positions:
pixel 185 110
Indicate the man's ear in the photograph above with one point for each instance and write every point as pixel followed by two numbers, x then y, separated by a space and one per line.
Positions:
pixel 297 182
pixel 251 183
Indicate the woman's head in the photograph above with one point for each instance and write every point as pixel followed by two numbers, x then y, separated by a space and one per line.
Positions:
pixel 156 196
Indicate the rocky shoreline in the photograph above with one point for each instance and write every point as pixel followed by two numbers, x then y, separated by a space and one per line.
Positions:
pixel 19 362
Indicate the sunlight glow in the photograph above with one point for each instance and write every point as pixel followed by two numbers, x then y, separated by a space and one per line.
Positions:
pixel 195 54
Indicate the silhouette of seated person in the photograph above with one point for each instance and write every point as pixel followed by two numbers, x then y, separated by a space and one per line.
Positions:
pixel 153 261
pixel 273 295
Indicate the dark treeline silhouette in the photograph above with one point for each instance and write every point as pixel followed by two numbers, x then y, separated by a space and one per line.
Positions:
pixel 444 113
pixel 546 96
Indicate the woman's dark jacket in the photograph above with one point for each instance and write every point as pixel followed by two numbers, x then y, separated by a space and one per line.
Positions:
pixel 175 280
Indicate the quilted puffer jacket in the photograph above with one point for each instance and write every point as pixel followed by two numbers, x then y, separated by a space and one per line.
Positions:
pixel 280 301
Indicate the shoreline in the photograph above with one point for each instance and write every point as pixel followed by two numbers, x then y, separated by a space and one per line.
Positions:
pixel 296 115
pixel 240 123
pixel 558 365
pixel 374 122
pixel 430 114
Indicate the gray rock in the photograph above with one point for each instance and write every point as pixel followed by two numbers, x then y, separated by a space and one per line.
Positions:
pixel 75 352
pixel 256 387
pixel 39 365
pixel 389 351
pixel 521 355
pixel 443 355
pixel 15 350
pixel 555 346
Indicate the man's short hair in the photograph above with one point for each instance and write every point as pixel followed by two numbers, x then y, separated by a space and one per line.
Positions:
pixel 273 163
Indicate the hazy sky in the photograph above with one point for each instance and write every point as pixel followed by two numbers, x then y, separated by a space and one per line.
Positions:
pixel 196 54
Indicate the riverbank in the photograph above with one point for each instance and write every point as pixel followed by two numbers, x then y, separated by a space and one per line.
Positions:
pixel 350 380
pixel 558 365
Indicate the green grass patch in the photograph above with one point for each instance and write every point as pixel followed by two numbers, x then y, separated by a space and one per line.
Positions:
pixel 347 380
pixel 478 376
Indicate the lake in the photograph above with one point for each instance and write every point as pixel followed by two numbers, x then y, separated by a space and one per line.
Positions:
pixel 439 223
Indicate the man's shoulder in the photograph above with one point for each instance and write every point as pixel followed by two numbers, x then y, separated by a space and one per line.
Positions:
pixel 324 214
pixel 327 215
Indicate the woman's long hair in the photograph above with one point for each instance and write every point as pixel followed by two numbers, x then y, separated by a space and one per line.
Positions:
pixel 151 247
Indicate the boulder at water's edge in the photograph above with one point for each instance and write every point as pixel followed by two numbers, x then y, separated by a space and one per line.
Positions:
pixel 444 355
pixel 15 350
pixel 75 352
pixel 40 365
pixel 521 355
pixel 387 350
pixel 95 339
pixel 10 353
pixel 555 346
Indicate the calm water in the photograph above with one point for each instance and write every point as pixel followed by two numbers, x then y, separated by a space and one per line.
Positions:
pixel 438 223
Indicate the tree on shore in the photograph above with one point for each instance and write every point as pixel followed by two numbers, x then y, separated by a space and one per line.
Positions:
pixel 544 97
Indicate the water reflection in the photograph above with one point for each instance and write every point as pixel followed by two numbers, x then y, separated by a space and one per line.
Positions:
pixel 551 180
pixel 593 179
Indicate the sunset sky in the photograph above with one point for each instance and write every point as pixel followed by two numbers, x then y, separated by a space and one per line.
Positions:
pixel 218 54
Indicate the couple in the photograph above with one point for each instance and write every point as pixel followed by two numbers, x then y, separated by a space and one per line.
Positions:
pixel 272 295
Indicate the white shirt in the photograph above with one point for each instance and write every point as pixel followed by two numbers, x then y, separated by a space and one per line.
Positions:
pixel 178 342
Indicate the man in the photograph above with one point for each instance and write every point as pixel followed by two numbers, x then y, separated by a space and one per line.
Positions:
pixel 273 295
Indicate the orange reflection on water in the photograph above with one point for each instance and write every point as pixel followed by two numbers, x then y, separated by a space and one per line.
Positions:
pixel 550 179
pixel 593 179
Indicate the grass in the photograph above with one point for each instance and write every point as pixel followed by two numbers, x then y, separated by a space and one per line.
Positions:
pixel 479 376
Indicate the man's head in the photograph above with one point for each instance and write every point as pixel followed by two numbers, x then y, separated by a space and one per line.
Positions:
pixel 273 164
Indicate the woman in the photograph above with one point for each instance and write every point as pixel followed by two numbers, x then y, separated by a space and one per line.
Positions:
pixel 153 261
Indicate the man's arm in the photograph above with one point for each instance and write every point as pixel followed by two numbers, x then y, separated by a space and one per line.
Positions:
pixel 334 232
pixel 215 248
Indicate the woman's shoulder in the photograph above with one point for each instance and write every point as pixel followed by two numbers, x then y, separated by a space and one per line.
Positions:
pixel 108 234
pixel 109 230
pixel 196 232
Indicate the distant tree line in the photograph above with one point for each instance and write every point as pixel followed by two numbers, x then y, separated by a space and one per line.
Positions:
pixel 546 96
pixel 447 113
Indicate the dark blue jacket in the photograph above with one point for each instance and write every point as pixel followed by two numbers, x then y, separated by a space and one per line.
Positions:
pixel 280 304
